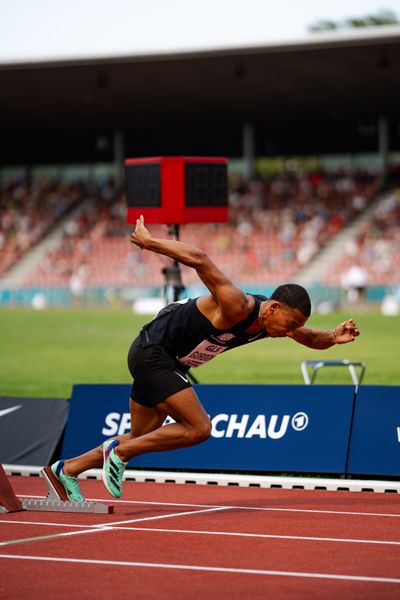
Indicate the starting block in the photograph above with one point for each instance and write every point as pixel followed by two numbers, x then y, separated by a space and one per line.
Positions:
pixel 56 500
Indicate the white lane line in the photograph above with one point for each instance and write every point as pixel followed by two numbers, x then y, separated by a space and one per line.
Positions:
pixel 168 516
pixel 261 508
pixel 211 569
pixel 52 536
pixel 11 521
pixel 222 533
pixel 236 506
pixel 263 535
pixel 105 526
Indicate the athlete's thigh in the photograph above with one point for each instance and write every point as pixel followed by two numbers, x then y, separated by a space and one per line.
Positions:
pixel 185 407
pixel 145 418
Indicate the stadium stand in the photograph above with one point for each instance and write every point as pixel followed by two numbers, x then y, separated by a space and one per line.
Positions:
pixel 375 253
pixel 276 226
pixel 28 210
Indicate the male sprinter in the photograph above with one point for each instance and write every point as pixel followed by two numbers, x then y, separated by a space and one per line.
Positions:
pixel 185 335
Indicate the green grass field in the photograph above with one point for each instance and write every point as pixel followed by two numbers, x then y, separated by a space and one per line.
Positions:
pixel 43 354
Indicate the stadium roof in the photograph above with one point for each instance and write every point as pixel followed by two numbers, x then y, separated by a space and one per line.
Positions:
pixel 44 30
pixel 142 52
pixel 324 93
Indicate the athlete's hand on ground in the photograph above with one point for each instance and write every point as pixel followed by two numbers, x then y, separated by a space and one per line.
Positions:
pixel 346 332
pixel 140 235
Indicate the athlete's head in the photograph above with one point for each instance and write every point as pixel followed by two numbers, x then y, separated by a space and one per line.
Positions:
pixel 286 310
pixel 295 296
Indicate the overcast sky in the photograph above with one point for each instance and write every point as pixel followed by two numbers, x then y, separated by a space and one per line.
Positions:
pixel 50 29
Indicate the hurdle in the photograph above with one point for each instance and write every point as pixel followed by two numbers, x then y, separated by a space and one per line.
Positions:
pixel 316 365
pixel 55 501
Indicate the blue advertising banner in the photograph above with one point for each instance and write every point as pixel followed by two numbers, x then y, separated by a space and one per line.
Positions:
pixel 375 440
pixel 294 428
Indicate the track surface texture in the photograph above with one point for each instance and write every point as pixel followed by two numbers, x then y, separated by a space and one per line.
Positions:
pixel 196 541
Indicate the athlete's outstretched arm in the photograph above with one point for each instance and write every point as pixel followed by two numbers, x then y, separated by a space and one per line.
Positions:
pixel 320 339
pixel 232 301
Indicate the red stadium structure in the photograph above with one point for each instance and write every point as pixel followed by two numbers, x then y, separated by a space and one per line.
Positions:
pixel 177 189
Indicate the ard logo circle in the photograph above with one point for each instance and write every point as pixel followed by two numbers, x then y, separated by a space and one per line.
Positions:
pixel 299 421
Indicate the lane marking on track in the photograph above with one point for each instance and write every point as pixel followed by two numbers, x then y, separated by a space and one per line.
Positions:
pixel 169 516
pixel 10 521
pixel 52 536
pixel 262 535
pixel 292 510
pixel 234 507
pixel 205 532
pixel 117 563
pixel 105 527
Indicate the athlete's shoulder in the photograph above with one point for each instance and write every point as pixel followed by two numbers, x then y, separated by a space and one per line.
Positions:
pixel 225 314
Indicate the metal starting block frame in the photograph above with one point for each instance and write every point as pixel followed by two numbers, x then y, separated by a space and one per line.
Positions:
pixel 56 500
pixel 315 365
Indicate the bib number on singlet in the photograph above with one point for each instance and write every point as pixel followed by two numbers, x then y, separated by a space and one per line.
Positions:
pixel 203 352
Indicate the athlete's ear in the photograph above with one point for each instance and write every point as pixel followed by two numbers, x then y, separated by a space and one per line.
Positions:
pixel 274 306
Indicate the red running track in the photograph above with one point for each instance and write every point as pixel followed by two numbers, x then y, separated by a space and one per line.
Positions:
pixel 191 541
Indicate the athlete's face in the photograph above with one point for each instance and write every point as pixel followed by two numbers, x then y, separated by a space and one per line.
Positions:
pixel 279 319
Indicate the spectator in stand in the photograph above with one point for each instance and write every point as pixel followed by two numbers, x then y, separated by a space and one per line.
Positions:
pixel 77 284
pixel 354 282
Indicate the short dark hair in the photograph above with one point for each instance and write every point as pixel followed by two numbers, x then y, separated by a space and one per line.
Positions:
pixel 294 296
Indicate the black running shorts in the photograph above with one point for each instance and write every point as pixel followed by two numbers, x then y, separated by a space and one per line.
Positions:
pixel 156 374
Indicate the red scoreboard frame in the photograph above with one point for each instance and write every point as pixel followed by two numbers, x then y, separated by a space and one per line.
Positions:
pixel 177 189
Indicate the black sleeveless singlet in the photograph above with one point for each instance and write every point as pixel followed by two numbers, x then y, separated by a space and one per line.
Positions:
pixel 191 338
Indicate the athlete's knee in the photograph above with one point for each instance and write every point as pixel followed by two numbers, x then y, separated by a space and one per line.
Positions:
pixel 199 433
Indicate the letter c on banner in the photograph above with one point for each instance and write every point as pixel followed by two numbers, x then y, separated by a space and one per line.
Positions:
pixel 215 432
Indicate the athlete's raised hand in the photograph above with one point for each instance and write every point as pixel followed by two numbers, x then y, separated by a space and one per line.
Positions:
pixel 140 235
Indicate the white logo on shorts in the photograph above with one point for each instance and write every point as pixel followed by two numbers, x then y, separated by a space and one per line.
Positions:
pixel 182 377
